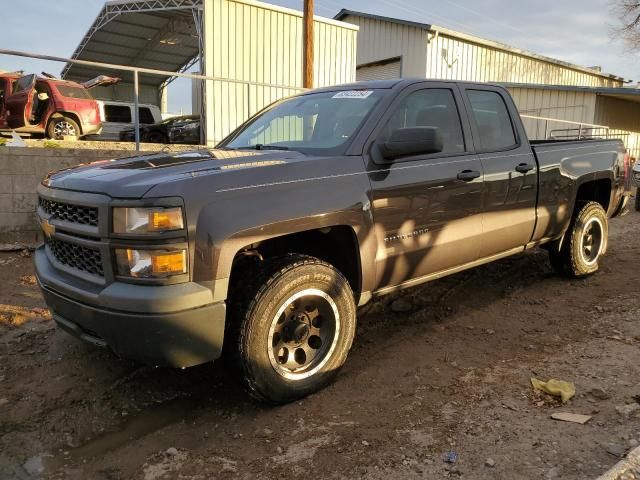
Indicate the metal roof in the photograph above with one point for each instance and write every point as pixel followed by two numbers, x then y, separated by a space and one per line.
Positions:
pixel 342 14
pixel 625 93
pixel 155 34
pixel 345 13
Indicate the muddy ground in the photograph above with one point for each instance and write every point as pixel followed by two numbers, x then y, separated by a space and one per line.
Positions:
pixel 450 375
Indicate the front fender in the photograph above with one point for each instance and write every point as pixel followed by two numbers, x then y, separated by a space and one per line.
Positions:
pixel 240 218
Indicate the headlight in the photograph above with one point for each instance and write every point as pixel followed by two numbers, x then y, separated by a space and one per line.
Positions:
pixel 151 263
pixel 147 220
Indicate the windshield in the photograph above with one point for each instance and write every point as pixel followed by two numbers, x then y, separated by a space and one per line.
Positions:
pixel 314 123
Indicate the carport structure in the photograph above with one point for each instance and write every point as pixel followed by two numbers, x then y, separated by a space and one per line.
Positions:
pixel 154 34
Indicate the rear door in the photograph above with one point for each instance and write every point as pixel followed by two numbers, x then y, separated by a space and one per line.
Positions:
pixel 19 103
pixel 510 170
pixel 426 208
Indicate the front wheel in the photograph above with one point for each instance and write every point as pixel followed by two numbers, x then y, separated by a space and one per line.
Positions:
pixel 60 127
pixel 293 329
pixel 584 242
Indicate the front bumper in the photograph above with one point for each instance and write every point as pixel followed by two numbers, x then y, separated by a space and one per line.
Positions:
pixel 169 325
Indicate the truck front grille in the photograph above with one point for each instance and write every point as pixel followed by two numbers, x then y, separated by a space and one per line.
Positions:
pixel 70 213
pixel 76 256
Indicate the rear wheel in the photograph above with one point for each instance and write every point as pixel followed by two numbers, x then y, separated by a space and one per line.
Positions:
pixel 584 243
pixel 293 329
pixel 60 127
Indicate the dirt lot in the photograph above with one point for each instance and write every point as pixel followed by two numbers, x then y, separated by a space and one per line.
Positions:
pixel 450 375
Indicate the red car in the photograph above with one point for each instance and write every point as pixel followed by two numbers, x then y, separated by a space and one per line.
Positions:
pixel 46 105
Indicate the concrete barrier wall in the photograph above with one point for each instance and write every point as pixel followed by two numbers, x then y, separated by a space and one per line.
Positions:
pixel 23 168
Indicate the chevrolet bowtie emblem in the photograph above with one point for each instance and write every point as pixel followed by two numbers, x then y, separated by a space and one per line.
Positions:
pixel 47 228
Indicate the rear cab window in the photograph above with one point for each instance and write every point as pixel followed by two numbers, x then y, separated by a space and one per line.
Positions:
pixel 493 122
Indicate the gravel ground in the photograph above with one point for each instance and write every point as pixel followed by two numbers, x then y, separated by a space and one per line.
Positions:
pixel 449 378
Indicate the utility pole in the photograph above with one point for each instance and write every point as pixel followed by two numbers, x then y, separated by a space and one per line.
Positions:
pixel 307 48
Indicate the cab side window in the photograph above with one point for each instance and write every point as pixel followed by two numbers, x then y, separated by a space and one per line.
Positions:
pixel 492 119
pixel 433 107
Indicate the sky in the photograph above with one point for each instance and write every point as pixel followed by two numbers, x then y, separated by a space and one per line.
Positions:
pixel 577 31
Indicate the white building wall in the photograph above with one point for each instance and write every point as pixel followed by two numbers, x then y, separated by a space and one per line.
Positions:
pixel 380 40
pixel 558 104
pixel 252 41
pixel 461 58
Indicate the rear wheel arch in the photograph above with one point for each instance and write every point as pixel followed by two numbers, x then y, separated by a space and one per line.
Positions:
pixel 597 190
pixel 70 115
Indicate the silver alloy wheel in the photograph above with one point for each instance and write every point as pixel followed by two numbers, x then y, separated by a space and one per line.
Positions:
pixel 592 241
pixel 303 334
pixel 63 128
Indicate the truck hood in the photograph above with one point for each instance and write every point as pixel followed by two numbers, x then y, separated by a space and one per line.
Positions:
pixel 133 177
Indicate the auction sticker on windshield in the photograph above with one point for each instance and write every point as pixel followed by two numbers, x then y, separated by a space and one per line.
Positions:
pixel 353 94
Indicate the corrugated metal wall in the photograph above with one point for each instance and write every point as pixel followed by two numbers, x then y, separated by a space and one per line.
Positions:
pixel 456 59
pixel 258 42
pixel 563 105
pixel 380 40
pixel 457 56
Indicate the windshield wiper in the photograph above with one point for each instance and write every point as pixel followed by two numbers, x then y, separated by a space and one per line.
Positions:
pixel 260 146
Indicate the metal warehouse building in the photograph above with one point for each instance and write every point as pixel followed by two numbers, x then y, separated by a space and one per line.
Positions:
pixel 254 50
pixel 541 86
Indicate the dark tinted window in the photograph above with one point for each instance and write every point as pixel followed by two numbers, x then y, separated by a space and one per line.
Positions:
pixel 492 118
pixel 70 91
pixel 117 113
pixel 145 115
pixel 433 107
pixel 23 83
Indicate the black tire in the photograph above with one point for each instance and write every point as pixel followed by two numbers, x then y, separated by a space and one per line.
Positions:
pixel 59 127
pixel 583 244
pixel 265 325
pixel 157 137
pixel 638 200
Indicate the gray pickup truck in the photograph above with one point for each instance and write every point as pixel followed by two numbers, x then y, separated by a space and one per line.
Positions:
pixel 263 247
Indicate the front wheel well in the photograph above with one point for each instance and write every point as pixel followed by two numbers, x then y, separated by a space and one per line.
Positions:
pixel 595 191
pixel 336 245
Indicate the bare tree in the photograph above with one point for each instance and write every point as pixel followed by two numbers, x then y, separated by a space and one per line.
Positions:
pixel 628 12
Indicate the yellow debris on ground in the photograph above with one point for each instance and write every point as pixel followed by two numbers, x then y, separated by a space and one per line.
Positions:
pixel 557 388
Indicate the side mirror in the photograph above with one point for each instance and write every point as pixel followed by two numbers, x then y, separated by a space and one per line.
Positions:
pixel 408 141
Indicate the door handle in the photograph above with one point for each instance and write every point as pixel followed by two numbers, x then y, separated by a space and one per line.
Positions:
pixel 524 167
pixel 468 175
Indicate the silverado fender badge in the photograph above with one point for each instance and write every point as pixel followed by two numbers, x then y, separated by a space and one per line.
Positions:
pixel 47 228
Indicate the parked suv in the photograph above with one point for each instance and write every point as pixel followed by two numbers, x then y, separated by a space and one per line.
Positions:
pixel 49 106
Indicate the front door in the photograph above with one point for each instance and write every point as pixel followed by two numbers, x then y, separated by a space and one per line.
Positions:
pixel 20 102
pixel 426 208
pixel 510 171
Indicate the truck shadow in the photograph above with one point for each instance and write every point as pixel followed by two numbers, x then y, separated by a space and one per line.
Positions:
pixel 210 394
